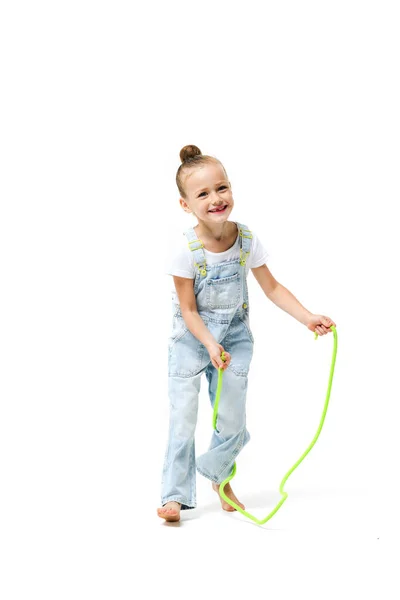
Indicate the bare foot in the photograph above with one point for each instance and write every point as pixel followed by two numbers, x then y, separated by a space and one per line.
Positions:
pixel 171 511
pixel 228 492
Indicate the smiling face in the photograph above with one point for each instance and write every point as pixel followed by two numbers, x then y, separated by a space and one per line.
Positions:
pixel 207 189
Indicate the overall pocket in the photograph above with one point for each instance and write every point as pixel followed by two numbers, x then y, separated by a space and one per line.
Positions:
pixel 223 292
pixel 179 328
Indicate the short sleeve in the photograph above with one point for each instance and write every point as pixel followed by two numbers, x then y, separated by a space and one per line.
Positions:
pixel 179 260
pixel 258 254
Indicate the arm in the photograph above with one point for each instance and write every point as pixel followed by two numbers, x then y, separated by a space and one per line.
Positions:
pixel 196 325
pixel 188 304
pixel 187 301
pixel 281 296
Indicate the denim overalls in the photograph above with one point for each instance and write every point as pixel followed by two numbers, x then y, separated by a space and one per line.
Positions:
pixel 223 304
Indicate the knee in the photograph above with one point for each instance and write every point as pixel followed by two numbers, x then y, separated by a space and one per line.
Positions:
pixel 184 423
pixel 231 425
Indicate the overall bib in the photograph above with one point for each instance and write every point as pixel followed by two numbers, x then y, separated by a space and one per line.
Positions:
pixel 223 304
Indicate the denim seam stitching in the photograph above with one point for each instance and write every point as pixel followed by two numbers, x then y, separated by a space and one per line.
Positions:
pixel 206 475
pixel 248 329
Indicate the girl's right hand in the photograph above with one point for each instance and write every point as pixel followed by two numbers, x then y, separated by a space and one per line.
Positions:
pixel 215 351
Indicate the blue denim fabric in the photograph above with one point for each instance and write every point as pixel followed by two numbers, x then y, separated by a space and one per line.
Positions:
pixel 223 304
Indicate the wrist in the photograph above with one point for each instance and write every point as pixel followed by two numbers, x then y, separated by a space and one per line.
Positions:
pixel 210 344
pixel 306 318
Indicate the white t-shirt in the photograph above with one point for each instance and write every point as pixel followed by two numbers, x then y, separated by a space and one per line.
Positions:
pixel 179 260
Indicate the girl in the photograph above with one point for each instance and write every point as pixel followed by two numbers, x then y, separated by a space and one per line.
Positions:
pixel 211 315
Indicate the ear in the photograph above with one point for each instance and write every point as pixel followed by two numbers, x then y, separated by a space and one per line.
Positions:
pixel 184 205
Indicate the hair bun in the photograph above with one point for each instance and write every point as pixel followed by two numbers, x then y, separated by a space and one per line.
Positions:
pixel 189 152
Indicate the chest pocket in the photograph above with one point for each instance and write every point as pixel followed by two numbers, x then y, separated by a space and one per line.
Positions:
pixel 223 292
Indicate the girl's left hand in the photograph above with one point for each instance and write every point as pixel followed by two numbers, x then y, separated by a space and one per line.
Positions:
pixel 320 324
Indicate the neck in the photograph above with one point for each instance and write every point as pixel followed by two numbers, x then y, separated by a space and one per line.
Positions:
pixel 217 232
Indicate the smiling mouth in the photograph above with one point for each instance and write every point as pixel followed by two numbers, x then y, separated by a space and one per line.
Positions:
pixel 218 210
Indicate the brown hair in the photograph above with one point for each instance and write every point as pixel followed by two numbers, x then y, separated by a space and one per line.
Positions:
pixel 191 156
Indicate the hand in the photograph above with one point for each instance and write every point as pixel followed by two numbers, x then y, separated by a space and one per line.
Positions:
pixel 215 350
pixel 320 324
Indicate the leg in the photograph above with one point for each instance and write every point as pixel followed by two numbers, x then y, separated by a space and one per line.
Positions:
pixel 231 434
pixel 179 473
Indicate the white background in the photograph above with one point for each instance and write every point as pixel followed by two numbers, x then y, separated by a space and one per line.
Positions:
pixel 299 101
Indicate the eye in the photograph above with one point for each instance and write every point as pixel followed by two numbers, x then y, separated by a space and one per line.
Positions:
pixel 220 188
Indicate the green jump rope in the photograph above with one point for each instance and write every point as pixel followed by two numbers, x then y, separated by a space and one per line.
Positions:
pixel 284 494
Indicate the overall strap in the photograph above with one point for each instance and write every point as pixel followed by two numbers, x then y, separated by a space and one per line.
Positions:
pixel 196 246
pixel 245 242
